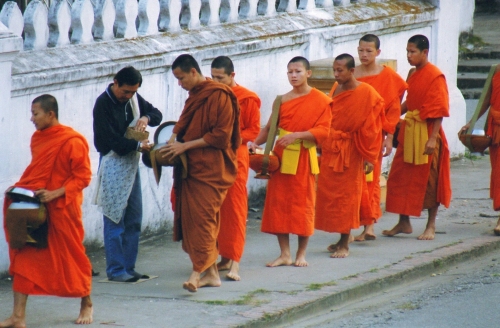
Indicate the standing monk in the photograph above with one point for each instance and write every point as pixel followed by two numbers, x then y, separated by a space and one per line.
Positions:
pixel 58 173
pixel 420 173
pixel 391 88
pixel 234 209
pixel 492 101
pixel 208 132
pixel 304 117
pixel 348 154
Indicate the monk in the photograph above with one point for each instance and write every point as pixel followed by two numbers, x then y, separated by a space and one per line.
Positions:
pixel 208 132
pixel 391 87
pixel 420 173
pixel 348 154
pixel 234 210
pixel 304 117
pixel 58 172
pixel 492 101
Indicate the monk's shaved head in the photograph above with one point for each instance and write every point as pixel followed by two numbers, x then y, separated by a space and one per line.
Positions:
pixel 302 60
pixel 348 58
pixel 420 41
pixel 48 103
pixel 371 38
pixel 185 63
pixel 225 63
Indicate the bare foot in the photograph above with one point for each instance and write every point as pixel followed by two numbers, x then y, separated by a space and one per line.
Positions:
pixel 209 281
pixel 340 253
pixel 13 322
pixel 398 228
pixel 233 276
pixel 332 248
pixel 86 312
pixel 189 287
pixel 300 262
pixel 280 261
pixel 191 284
pixel 365 236
pixel 497 228
pixel 224 264
pixel 233 273
pixel 428 234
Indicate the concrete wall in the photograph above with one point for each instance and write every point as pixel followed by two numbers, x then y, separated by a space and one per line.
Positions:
pixel 260 49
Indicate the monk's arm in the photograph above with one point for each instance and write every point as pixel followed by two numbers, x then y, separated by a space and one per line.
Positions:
pixel 404 108
pixel 262 137
pixel 430 145
pixel 290 138
pixel 174 149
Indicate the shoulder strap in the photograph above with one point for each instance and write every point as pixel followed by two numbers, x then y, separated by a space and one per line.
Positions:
pixel 272 134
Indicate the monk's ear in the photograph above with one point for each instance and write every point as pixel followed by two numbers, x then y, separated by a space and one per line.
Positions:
pixel 309 73
pixel 232 75
pixel 378 52
pixel 426 52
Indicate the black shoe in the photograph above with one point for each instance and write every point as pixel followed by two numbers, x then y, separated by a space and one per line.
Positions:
pixel 139 275
pixel 124 278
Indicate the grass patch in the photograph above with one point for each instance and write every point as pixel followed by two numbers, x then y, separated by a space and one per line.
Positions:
pixel 215 302
pixel 472 156
pixel 373 270
pixel 496 275
pixel 248 299
pixel 407 306
pixel 319 286
pixel 351 276
pixel 437 263
pixel 408 257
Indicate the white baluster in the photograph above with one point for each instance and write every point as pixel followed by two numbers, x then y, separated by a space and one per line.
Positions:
pixel 229 11
pixel 12 17
pixel 342 3
pixel 190 13
pixel 59 23
pixel 324 3
pixel 126 13
pixel 306 5
pixel 288 6
pixel 104 18
pixel 36 29
pixel 266 7
pixel 170 11
pixel 82 20
pixel 248 8
pixel 149 11
pixel 210 12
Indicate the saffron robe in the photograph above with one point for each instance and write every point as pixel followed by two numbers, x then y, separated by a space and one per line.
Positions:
pixel 493 130
pixel 407 182
pixel 234 210
pixel 391 87
pixel 211 112
pixel 354 138
pixel 290 198
pixel 59 158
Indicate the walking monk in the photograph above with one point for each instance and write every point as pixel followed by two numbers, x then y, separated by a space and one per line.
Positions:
pixel 58 172
pixel 492 101
pixel 420 173
pixel 391 87
pixel 304 117
pixel 349 152
pixel 208 132
pixel 234 210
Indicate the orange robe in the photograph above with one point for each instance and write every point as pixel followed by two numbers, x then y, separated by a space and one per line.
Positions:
pixel 407 183
pixel 59 158
pixel 211 112
pixel 290 199
pixel 234 210
pixel 391 87
pixel 493 130
pixel 354 138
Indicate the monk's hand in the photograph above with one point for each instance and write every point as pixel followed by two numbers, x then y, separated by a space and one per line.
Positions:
pixel 172 139
pixel 368 167
pixel 464 129
pixel 145 146
pixel 141 124
pixel 252 147
pixel 46 196
pixel 387 145
pixel 430 145
pixel 286 140
pixel 171 150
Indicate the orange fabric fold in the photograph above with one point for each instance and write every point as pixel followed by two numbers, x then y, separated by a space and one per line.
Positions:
pixel 493 130
pixel 211 112
pixel 407 183
pixel 290 199
pixel 391 87
pixel 234 209
pixel 59 158
pixel 355 113
pixel 341 147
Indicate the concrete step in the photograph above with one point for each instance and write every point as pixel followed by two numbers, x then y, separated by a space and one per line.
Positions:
pixel 476 65
pixel 486 53
pixel 474 93
pixel 471 80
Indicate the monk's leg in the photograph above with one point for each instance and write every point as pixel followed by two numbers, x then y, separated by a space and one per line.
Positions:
pixel 403 226
pixel 333 247
pixel 430 229
pixel 234 271
pixel 18 317
pixel 224 264
pixel 191 284
pixel 284 258
pixel 367 234
pixel 497 228
pixel 342 249
pixel 86 312
pixel 300 259
pixel 211 277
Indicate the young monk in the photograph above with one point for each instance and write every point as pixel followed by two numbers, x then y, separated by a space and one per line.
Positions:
pixel 304 118
pixel 208 132
pixel 234 209
pixel 348 153
pixel 492 101
pixel 58 173
pixel 391 87
pixel 420 173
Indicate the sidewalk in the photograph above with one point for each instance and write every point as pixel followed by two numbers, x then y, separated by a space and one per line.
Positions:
pixel 272 296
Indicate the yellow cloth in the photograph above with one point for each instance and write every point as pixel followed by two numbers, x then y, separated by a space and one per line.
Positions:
pixel 416 137
pixel 290 159
pixel 369 177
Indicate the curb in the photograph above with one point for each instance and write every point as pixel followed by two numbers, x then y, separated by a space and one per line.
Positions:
pixel 289 308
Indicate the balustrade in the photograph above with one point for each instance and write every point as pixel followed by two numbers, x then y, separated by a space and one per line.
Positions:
pixel 55 23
